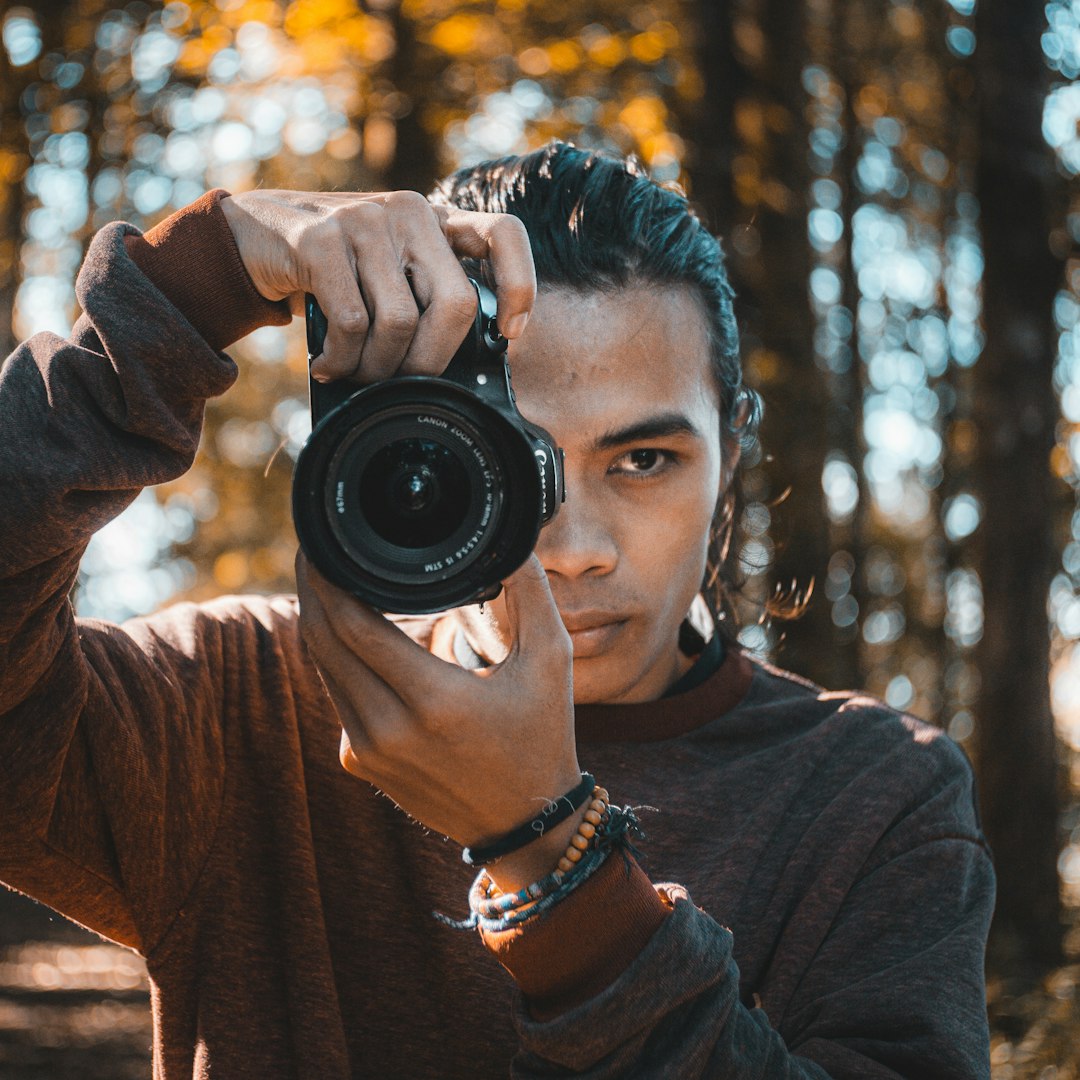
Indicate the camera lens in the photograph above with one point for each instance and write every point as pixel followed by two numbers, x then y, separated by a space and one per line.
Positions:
pixel 414 493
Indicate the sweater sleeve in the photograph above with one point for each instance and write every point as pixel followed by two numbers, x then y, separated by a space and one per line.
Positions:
pixel 890 985
pixel 110 746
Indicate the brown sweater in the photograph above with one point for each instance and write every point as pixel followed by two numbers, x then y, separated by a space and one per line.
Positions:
pixel 173 783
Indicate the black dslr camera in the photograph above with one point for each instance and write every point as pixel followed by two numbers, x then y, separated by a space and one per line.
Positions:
pixel 419 494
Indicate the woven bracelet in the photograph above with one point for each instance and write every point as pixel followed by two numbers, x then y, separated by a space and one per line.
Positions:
pixel 554 812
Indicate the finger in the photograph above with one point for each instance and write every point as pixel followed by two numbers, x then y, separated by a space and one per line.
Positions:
pixel 334 286
pixel 448 303
pixel 332 655
pixel 446 299
pixel 388 295
pixel 408 670
pixel 504 241
pixel 532 615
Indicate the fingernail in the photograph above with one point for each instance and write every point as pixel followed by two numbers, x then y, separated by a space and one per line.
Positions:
pixel 515 325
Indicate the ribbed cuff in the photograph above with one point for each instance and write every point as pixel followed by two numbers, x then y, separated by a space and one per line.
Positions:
pixel 585 942
pixel 193 259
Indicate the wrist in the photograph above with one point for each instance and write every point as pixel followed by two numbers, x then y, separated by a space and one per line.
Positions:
pixel 192 258
pixel 529 864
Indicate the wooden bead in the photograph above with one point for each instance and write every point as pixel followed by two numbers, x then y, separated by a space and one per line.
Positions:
pixel 573 854
pixel 565 865
pixel 592 816
pixel 598 805
pixel 601 793
pixel 579 842
pixel 587 830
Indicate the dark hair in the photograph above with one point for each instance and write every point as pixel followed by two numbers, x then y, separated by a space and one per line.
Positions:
pixel 598 223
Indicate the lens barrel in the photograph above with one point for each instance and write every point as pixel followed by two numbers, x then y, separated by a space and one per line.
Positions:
pixel 416 496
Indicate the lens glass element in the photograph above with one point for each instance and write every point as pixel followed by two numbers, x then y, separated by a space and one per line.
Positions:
pixel 414 493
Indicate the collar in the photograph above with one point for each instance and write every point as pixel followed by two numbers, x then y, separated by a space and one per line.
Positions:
pixel 715 684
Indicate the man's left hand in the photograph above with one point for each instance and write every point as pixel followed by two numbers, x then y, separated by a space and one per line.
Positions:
pixel 470 754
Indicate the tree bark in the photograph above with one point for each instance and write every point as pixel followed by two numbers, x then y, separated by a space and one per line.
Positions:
pixel 1015 414
pixel 773 303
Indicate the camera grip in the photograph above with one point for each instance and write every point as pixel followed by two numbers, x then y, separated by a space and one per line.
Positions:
pixel 316 326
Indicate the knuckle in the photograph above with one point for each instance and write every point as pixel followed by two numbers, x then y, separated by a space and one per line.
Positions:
pixel 336 368
pixel 508 229
pixel 398 321
pixel 411 202
pixel 394 744
pixel 353 322
pixel 460 305
pixel 321 233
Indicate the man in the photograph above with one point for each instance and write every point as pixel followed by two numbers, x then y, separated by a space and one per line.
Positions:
pixel 175 783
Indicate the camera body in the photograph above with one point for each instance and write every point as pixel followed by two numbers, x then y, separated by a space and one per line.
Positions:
pixel 418 493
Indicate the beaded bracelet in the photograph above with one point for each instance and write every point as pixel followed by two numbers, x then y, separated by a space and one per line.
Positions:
pixel 496 902
pixel 494 912
pixel 559 890
pixel 603 829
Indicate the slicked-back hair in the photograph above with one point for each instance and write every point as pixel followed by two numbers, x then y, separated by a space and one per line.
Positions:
pixel 599 223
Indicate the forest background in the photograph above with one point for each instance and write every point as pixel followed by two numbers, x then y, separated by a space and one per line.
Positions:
pixel 894 182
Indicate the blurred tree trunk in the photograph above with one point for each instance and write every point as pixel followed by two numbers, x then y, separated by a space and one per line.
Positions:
pixel 710 126
pixel 845 407
pixel 13 164
pixel 752 56
pixel 416 161
pixel 1015 414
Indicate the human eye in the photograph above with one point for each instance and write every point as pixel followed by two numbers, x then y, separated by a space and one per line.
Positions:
pixel 643 462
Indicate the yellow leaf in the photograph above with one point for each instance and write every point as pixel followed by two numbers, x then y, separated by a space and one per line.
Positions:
pixel 303 16
pixel 764 366
pixel 458 35
pixel 231 569
pixel 564 56
pixel 608 51
pixel 648 47
pixel 871 103
pixel 644 116
pixel 662 149
pixel 372 38
pixel 534 61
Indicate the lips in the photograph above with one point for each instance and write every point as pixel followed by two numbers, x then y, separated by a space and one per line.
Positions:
pixel 592 632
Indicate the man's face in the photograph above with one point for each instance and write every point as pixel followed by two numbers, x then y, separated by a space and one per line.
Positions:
pixel 623 383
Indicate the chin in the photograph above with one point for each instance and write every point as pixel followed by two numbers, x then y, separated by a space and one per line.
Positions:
pixel 593 685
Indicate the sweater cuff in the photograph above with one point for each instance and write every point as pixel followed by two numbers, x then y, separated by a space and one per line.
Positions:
pixel 193 259
pixel 585 942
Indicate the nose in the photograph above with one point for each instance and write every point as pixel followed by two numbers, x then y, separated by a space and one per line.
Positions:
pixel 578 540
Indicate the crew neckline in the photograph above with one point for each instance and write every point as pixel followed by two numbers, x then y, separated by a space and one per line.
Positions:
pixel 700 696
pixel 670 716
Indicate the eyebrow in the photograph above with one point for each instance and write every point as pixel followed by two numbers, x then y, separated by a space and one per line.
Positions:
pixel 653 427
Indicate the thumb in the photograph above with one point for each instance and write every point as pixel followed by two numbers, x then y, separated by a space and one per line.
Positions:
pixel 531 612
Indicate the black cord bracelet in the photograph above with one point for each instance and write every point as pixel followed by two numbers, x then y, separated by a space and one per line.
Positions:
pixel 554 812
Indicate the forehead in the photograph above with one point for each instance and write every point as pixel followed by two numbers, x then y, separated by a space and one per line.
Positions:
pixel 587 361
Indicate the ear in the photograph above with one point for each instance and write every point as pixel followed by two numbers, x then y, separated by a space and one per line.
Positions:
pixel 730 454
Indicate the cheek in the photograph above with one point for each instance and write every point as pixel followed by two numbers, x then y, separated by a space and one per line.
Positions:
pixel 671 546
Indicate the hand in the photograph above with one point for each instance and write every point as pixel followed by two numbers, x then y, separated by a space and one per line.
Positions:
pixel 384 269
pixel 470 754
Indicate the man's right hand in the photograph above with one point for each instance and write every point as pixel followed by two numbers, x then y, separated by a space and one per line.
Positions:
pixel 384 269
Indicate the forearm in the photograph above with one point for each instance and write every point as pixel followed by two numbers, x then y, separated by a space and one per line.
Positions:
pixel 92 420
pixel 675 1011
pixel 602 996
pixel 93 716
